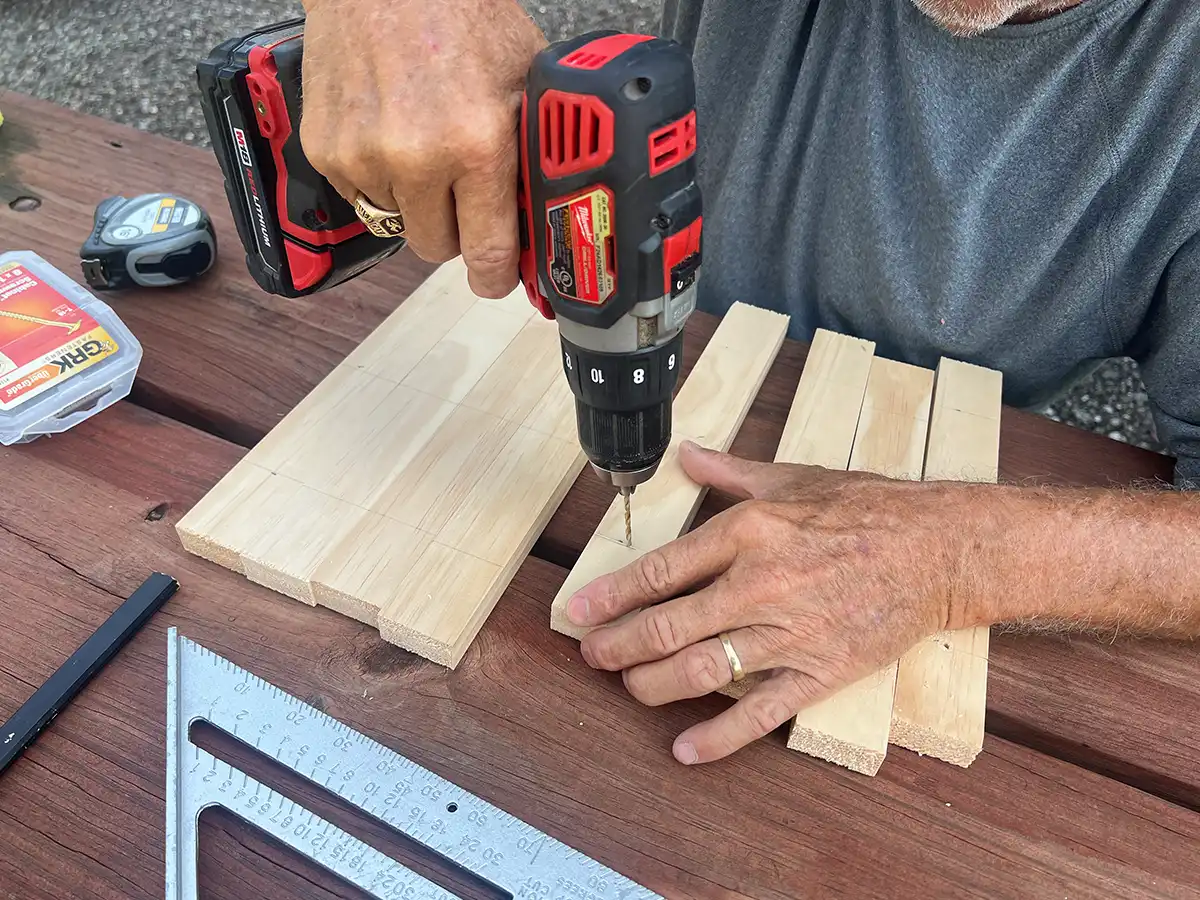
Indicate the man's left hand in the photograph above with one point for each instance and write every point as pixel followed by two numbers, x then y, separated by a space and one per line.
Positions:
pixel 820 577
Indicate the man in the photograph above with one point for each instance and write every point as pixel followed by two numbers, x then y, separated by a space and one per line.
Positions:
pixel 1015 183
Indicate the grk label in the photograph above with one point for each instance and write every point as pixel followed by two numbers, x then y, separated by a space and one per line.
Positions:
pixel 44 337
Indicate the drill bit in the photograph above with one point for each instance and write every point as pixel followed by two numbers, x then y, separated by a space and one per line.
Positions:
pixel 625 492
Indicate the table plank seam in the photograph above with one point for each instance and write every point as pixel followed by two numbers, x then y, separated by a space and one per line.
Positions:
pixel 1094 759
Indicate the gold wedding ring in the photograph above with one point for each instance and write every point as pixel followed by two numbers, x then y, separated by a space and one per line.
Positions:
pixel 383 223
pixel 735 664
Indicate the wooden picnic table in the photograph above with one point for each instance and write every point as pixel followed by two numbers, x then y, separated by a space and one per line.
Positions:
pixel 1088 784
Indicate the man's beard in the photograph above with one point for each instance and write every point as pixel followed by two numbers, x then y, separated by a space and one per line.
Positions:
pixel 966 18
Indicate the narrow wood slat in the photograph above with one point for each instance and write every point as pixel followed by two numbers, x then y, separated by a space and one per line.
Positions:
pixel 824 415
pixel 941 684
pixel 407 487
pixel 851 727
pixel 709 408
pixel 823 418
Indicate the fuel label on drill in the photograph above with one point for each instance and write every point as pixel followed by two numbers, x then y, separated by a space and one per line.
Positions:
pixel 580 245
pixel 44 337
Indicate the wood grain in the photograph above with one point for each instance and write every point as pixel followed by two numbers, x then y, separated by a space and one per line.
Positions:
pixel 522 722
pixel 851 727
pixel 941 684
pixel 824 415
pixel 407 487
pixel 220 353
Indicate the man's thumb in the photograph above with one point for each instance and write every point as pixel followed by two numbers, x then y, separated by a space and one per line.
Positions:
pixel 740 478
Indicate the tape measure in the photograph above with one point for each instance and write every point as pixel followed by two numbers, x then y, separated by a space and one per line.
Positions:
pixel 154 240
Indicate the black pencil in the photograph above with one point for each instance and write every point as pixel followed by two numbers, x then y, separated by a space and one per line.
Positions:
pixel 72 676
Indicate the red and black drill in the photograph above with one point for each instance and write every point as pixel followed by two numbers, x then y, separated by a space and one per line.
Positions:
pixel 610 214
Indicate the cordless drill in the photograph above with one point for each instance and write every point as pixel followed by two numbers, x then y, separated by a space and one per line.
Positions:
pixel 610 234
pixel 610 214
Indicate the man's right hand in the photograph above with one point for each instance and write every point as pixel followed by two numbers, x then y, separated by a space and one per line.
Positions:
pixel 416 105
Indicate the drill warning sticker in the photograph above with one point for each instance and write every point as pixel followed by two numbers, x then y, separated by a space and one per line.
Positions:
pixel 44 337
pixel 579 244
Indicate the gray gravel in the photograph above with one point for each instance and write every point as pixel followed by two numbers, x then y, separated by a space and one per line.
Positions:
pixel 133 61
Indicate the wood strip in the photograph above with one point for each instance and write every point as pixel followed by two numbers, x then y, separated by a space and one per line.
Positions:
pixel 823 418
pixel 941 684
pixel 709 408
pixel 407 487
pixel 851 727
pixel 824 415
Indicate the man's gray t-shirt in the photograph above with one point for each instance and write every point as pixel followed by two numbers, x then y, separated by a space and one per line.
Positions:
pixel 1028 199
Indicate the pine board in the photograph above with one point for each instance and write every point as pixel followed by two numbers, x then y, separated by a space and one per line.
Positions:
pixel 822 419
pixel 851 727
pixel 708 409
pixel 941 684
pixel 407 487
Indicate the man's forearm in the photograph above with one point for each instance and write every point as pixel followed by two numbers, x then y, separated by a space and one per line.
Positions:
pixel 1107 560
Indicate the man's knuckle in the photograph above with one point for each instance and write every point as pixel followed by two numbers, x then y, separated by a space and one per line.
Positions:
pixel 661 633
pixel 757 520
pixel 433 251
pixel 500 255
pixel 600 654
pixel 701 672
pixel 406 156
pixel 479 152
pixel 487 141
pixel 317 149
pixel 640 687
pixel 765 714
pixel 653 574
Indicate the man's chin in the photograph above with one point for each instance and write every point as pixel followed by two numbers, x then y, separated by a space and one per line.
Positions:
pixel 962 20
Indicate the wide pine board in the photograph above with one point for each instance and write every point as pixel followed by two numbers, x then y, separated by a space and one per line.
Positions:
pixel 407 487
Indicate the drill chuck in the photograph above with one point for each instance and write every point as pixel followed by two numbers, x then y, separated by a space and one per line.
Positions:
pixel 624 447
pixel 623 404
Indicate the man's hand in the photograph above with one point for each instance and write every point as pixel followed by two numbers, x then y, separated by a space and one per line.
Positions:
pixel 821 576
pixel 416 105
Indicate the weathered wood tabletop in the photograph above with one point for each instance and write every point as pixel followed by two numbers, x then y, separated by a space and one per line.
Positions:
pixel 1088 785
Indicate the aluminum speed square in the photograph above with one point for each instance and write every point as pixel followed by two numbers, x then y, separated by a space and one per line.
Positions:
pixel 501 850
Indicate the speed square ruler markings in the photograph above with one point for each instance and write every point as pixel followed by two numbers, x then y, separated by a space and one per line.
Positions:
pixel 496 847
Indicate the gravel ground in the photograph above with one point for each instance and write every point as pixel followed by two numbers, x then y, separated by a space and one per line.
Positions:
pixel 133 61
